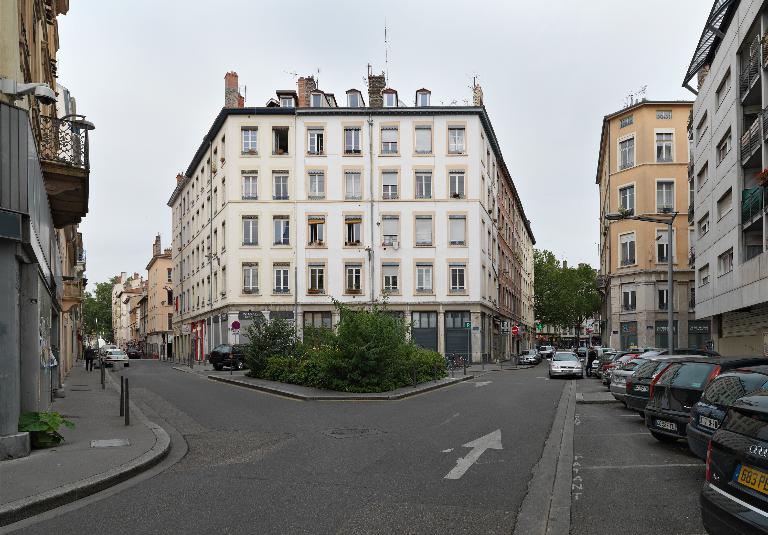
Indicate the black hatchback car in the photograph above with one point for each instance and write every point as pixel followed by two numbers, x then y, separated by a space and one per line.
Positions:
pixel 638 385
pixel 708 413
pixel 227 356
pixel 679 387
pixel 734 498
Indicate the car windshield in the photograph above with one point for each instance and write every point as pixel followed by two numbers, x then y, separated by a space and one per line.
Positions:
pixel 725 389
pixel 117 352
pixel 223 348
pixel 687 375
pixel 564 357
pixel 632 364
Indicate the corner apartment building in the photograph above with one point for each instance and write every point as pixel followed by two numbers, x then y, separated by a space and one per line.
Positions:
pixel 158 308
pixel 286 206
pixel 729 130
pixel 643 170
pixel 44 173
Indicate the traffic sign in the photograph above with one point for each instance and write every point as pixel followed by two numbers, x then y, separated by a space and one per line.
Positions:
pixel 235 325
pixel 467 324
pixel 515 330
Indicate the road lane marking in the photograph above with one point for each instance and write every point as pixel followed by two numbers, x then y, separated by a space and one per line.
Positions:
pixel 490 441
pixel 482 383
pixel 449 450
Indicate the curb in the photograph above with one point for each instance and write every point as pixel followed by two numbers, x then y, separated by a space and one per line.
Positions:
pixel 64 494
pixel 340 397
pixel 581 401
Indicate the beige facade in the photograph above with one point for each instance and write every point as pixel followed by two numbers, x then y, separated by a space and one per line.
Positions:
pixel 159 306
pixel 643 170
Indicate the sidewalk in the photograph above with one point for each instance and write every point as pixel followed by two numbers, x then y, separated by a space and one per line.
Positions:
pixel 77 468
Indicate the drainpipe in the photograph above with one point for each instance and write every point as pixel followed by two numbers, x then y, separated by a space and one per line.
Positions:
pixel 371 256
pixel 210 234
pixel 296 245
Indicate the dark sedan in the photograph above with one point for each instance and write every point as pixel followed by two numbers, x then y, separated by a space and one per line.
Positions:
pixel 227 356
pixel 734 499
pixel 679 387
pixel 708 413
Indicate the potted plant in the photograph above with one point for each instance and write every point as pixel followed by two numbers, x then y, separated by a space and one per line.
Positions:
pixel 43 428
pixel 762 177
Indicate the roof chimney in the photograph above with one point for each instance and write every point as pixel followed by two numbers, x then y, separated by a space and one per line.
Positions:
pixel 477 95
pixel 305 86
pixel 156 246
pixel 180 178
pixel 376 84
pixel 232 96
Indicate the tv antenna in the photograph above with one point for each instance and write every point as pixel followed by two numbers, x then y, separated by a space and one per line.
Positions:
pixel 293 74
pixel 386 53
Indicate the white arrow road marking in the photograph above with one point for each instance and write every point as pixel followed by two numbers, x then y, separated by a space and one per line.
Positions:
pixel 482 383
pixel 489 441
pixel 449 450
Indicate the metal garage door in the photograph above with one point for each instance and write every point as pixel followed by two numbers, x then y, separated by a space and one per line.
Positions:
pixel 457 336
pixel 424 329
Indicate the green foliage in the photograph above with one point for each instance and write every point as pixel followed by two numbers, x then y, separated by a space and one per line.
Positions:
pixel 369 352
pixel 98 306
pixel 44 427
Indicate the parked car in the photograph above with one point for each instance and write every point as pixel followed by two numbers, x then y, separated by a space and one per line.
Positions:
pixel 638 385
pixel 689 351
pixel 116 356
pixel 103 349
pixel 227 356
pixel 679 387
pixel 619 378
pixel 618 362
pixel 581 351
pixel 566 363
pixel 708 413
pixel 529 356
pixel 546 352
pixel 734 498
pixel 133 353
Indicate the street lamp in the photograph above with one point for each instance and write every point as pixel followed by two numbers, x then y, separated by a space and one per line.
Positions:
pixel 669 220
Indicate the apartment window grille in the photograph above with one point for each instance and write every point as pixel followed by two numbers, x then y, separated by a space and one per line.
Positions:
pixel 664 115
pixel 352 141
pixel 423 185
pixel 353 185
pixel 250 230
pixel 456 184
pixel 626 121
pixel 389 136
pixel 250 278
pixel 250 185
pixel 389 185
pixel 316 185
pixel 316 278
pixel 457 276
pixel 628 299
pixel 353 278
pixel 281 277
pixel 353 226
pixel 424 278
pixel 282 230
pixel 390 229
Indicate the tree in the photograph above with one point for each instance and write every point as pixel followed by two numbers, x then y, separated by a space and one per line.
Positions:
pixel 97 311
pixel 580 284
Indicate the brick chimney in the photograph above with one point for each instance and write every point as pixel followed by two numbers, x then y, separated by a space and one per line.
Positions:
pixel 156 246
pixel 305 86
pixel 232 96
pixel 179 179
pixel 376 83
pixel 477 95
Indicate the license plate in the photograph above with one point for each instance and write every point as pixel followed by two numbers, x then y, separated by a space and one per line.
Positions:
pixel 663 424
pixel 753 478
pixel 710 423
pixel 641 388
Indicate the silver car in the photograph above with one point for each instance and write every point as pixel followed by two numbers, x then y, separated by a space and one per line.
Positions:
pixel 566 363
pixel 619 376
pixel 529 356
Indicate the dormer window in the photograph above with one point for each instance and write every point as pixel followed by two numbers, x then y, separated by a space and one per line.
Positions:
pixel 422 98
pixel 316 100
pixel 390 99
pixel 353 100
pixel 286 102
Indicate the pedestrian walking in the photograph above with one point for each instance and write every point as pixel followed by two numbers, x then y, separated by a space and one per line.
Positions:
pixel 89 355
pixel 591 356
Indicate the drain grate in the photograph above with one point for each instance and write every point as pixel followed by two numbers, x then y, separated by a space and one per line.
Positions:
pixel 350 432
pixel 110 443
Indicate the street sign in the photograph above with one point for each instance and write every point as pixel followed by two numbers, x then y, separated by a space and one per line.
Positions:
pixel 235 325
pixel 589 330
pixel 515 330
pixel 467 324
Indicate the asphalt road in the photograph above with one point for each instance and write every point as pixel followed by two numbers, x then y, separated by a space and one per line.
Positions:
pixel 258 463
pixel 626 481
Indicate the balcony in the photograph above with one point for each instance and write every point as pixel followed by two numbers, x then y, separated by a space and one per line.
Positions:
pixel 752 203
pixel 749 89
pixel 64 158
pixel 691 258
pixel 750 144
pixel 72 293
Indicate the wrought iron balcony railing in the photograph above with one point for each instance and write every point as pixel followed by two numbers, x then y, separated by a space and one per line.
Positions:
pixel 750 70
pixel 65 141
pixel 750 141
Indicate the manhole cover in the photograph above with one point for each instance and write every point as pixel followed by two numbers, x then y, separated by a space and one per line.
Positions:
pixel 110 443
pixel 350 432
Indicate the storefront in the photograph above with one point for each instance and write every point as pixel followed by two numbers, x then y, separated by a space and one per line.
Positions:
pixel 699 334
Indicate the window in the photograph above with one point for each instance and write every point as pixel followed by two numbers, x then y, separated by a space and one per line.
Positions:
pixel 390 100
pixel 318 320
pixel 280 140
pixel 170 278
pixel 627 199
pixel 661 294
pixel 315 141
pixel 423 230
pixel 282 230
pixel 665 196
pixel 423 139
pixel 353 226
pixel 316 185
pixel 424 278
pixel 280 272
pixel 316 100
pixel 389 140
pixel 725 262
pixel 457 229
pixel 664 115
pixel 701 128
pixel 457 279
pixel 702 176
pixel 456 140
pixel 703 225
pixel 316 230
pixel 351 140
pixel 250 230
pixel 663 147
pixel 628 298
pixel 224 235
pixel 250 140
pixel 723 88
pixel 390 277
pixel 422 98
pixel 353 278
pixel 725 203
pixel 627 243
pixel 724 147
pixel 353 188
pixel 280 185
pixel 389 185
pixel 250 278
pixel 704 275
pixel 456 184
pixel 626 153
pixel 423 185
pixel 353 100
pixel 390 228
pixel 316 278
pixel 626 121
pixel 215 240
pixel 250 185
pixel 662 245
pixel 286 102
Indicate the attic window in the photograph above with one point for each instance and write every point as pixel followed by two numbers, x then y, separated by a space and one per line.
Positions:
pixel 390 100
pixel 353 100
pixel 286 102
pixel 316 100
pixel 422 98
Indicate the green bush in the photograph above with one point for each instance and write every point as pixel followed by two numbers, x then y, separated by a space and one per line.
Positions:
pixel 43 427
pixel 369 352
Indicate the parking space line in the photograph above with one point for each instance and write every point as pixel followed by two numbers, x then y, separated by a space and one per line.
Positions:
pixel 587 434
pixel 640 466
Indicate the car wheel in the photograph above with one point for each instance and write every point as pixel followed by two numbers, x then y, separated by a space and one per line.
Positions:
pixel 663 438
pixel 642 415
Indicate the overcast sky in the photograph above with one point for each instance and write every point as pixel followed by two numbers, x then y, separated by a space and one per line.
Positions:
pixel 150 75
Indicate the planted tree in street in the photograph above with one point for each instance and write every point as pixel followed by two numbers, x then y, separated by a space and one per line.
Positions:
pixel 97 311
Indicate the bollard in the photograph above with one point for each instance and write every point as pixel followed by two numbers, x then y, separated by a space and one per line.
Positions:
pixel 101 369
pixel 127 404
pixel 122 396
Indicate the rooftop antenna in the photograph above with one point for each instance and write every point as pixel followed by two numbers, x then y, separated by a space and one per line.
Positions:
pixel 293 74
pixel 386 54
